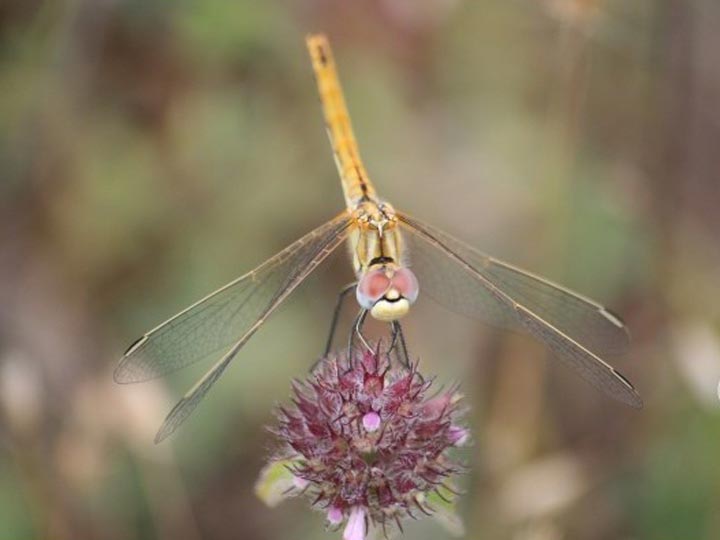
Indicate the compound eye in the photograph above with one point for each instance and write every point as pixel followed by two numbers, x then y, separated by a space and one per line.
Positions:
pixel 406 283
pixel 372 287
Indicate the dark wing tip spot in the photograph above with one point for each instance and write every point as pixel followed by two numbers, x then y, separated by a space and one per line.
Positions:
pixel 634 400
pixel 322 55
pixel 134 345
pixel 624 379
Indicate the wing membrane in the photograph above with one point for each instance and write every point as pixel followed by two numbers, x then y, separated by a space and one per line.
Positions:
pixel 579 331
pixel 221 318
pixel 229 316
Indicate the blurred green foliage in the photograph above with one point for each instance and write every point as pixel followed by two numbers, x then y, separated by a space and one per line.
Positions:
pixel 151 151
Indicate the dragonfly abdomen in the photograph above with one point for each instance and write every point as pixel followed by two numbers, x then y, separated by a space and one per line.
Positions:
pixel 355 182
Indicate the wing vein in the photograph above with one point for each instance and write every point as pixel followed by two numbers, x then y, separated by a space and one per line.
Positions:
pixel 530 314
pixel 192 398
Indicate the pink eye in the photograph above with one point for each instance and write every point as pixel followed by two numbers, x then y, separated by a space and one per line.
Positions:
pixel 406 283
pixel 372 287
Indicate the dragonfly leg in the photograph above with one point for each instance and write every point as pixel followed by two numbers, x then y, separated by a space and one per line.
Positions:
pixel 357 331
pixel 393 337
pixel 398 344
pixel 334 321
pixel 336 315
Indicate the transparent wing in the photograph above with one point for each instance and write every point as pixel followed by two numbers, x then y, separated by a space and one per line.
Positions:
pixel 229 316
pixel 221 318
pixel 579 331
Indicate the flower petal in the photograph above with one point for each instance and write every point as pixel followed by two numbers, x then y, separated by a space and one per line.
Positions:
pixel 275 482
pixel 371 422
pixel 335 515
pixel 355 528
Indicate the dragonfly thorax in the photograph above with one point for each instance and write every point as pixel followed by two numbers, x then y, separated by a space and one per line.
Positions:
pixel 374 214
pixel 386 287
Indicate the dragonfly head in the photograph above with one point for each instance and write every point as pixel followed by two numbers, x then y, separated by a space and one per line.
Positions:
pixel 387 291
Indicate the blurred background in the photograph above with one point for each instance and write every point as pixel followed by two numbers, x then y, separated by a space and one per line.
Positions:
pixel 152 151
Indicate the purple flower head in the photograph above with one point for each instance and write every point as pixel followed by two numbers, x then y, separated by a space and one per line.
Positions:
pixel 366 444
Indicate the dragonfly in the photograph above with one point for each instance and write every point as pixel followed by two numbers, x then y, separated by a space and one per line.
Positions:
pixel 394 256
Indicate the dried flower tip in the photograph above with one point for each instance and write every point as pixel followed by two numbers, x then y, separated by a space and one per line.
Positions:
pixel 459 436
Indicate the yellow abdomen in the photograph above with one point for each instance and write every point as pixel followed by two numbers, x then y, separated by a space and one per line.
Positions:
pixel 355 182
